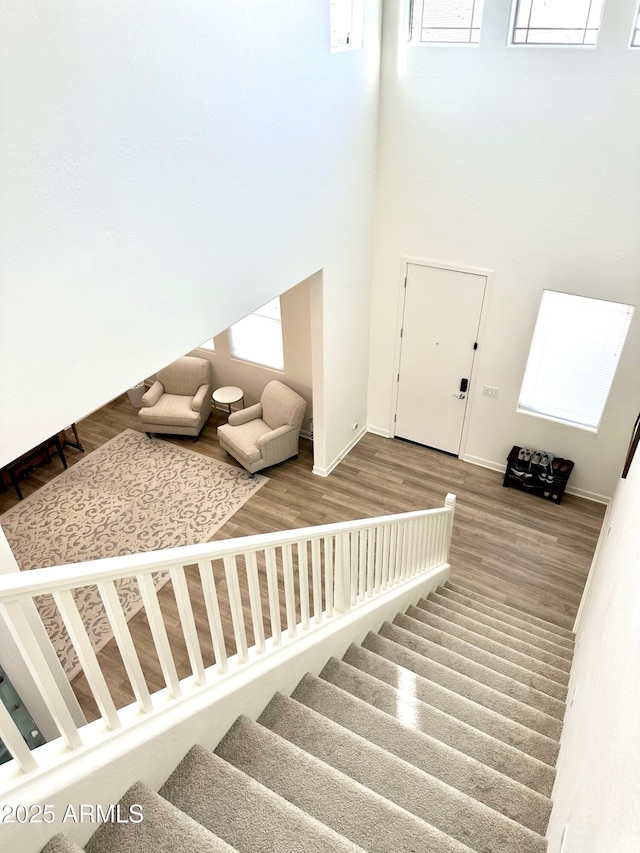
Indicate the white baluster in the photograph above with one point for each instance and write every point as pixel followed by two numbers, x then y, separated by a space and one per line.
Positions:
pixel 353 567
pixel 403 549
pixel 393 553
pixel 158 630
pixel 362 565
pixel 371 554
pixel 274 596
pixel 316 570
pixel 188 623
pixel 255 601
pixel 289 589
pixel 122 636
pixel 213 614
pixel 328 574
pixel 432 542
pixel 342 574
pixel 37 663
pixel 78 633
pixel 386 550
pixel 422 544
pixel 14 741
pixel 235 604
pixel 379 542
pixel 303 583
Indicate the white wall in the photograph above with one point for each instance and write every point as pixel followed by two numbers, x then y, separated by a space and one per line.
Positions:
pixel 597 789
pixel 523 161
pixel 167 167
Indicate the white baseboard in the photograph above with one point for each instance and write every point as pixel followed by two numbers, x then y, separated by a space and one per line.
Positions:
pixel 324 472
pixel 383 433
pixel 485 463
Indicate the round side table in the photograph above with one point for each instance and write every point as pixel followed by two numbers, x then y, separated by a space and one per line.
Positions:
pixel 227 397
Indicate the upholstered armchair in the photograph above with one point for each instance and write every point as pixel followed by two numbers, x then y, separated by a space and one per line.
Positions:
pixel 267 432
pixel 179 401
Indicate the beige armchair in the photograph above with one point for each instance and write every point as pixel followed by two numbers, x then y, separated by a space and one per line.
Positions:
pixel 267 432
pixel 179 401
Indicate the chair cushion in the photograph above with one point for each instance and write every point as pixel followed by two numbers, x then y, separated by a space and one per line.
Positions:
pixel 243 439
pixel 171 410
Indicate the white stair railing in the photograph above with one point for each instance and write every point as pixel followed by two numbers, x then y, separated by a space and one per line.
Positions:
pixel 309 576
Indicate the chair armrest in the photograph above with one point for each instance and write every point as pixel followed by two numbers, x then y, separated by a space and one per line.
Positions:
pixel 201 397
pixel 151 397
pixel 243 416
pixel 279 444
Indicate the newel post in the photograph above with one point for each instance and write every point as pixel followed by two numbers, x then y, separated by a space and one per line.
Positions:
pixel 450 504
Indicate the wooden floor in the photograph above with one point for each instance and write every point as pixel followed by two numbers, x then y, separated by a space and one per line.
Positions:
pixel 527 551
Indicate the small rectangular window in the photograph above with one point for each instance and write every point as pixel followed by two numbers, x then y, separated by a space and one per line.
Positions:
pixel 446 21
pixel 635 35
pixel 258 337
pixel 346 19
pixel 564 22
pixel 209 345
pixel 573 358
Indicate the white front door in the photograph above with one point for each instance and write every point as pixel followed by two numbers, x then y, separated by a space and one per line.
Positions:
pixel 442 309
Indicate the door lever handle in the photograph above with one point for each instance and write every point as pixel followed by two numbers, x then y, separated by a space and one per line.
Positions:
pixel 459 396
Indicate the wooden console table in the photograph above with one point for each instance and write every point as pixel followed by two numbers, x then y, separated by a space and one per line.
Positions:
pixel 39 455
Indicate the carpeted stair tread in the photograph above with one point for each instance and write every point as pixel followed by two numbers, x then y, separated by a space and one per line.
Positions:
pixel 163 829
pixel 351 809
pixel 467 710
pixel 453 812
pixel 521 615
pixel 504 647
pixel 443 638
pixel 499 683
pixel 448 610
pixel 416 714
pixel 61 843
pixel 245 813
pixel 510 615
pixel 491 618
pixel 427 753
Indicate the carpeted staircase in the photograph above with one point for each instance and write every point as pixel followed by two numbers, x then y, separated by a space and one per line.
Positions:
pixel 439 733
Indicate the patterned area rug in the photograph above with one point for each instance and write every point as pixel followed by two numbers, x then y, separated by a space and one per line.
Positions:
pixel 131 494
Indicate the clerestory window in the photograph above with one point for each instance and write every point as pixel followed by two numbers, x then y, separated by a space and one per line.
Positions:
pixel 561 22
pixel 346 20
pixel 446 21
pixel 635 35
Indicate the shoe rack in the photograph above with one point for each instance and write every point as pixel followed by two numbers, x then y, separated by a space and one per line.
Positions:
pixel 537 472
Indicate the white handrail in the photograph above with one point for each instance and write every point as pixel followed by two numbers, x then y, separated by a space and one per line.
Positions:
pixel 348 564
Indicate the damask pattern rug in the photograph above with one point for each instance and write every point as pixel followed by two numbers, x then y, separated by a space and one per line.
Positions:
pixel 132 494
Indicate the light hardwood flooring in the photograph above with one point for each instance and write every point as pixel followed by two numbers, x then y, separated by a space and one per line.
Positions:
pixel 529 552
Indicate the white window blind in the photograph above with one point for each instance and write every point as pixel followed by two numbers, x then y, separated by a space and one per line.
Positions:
pixel 573 358
pixel 258 337
pixel 446 21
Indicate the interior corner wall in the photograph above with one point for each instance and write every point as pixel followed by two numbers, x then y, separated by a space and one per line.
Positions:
pixel 166 169
pixel 522 161
pixel 597 787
